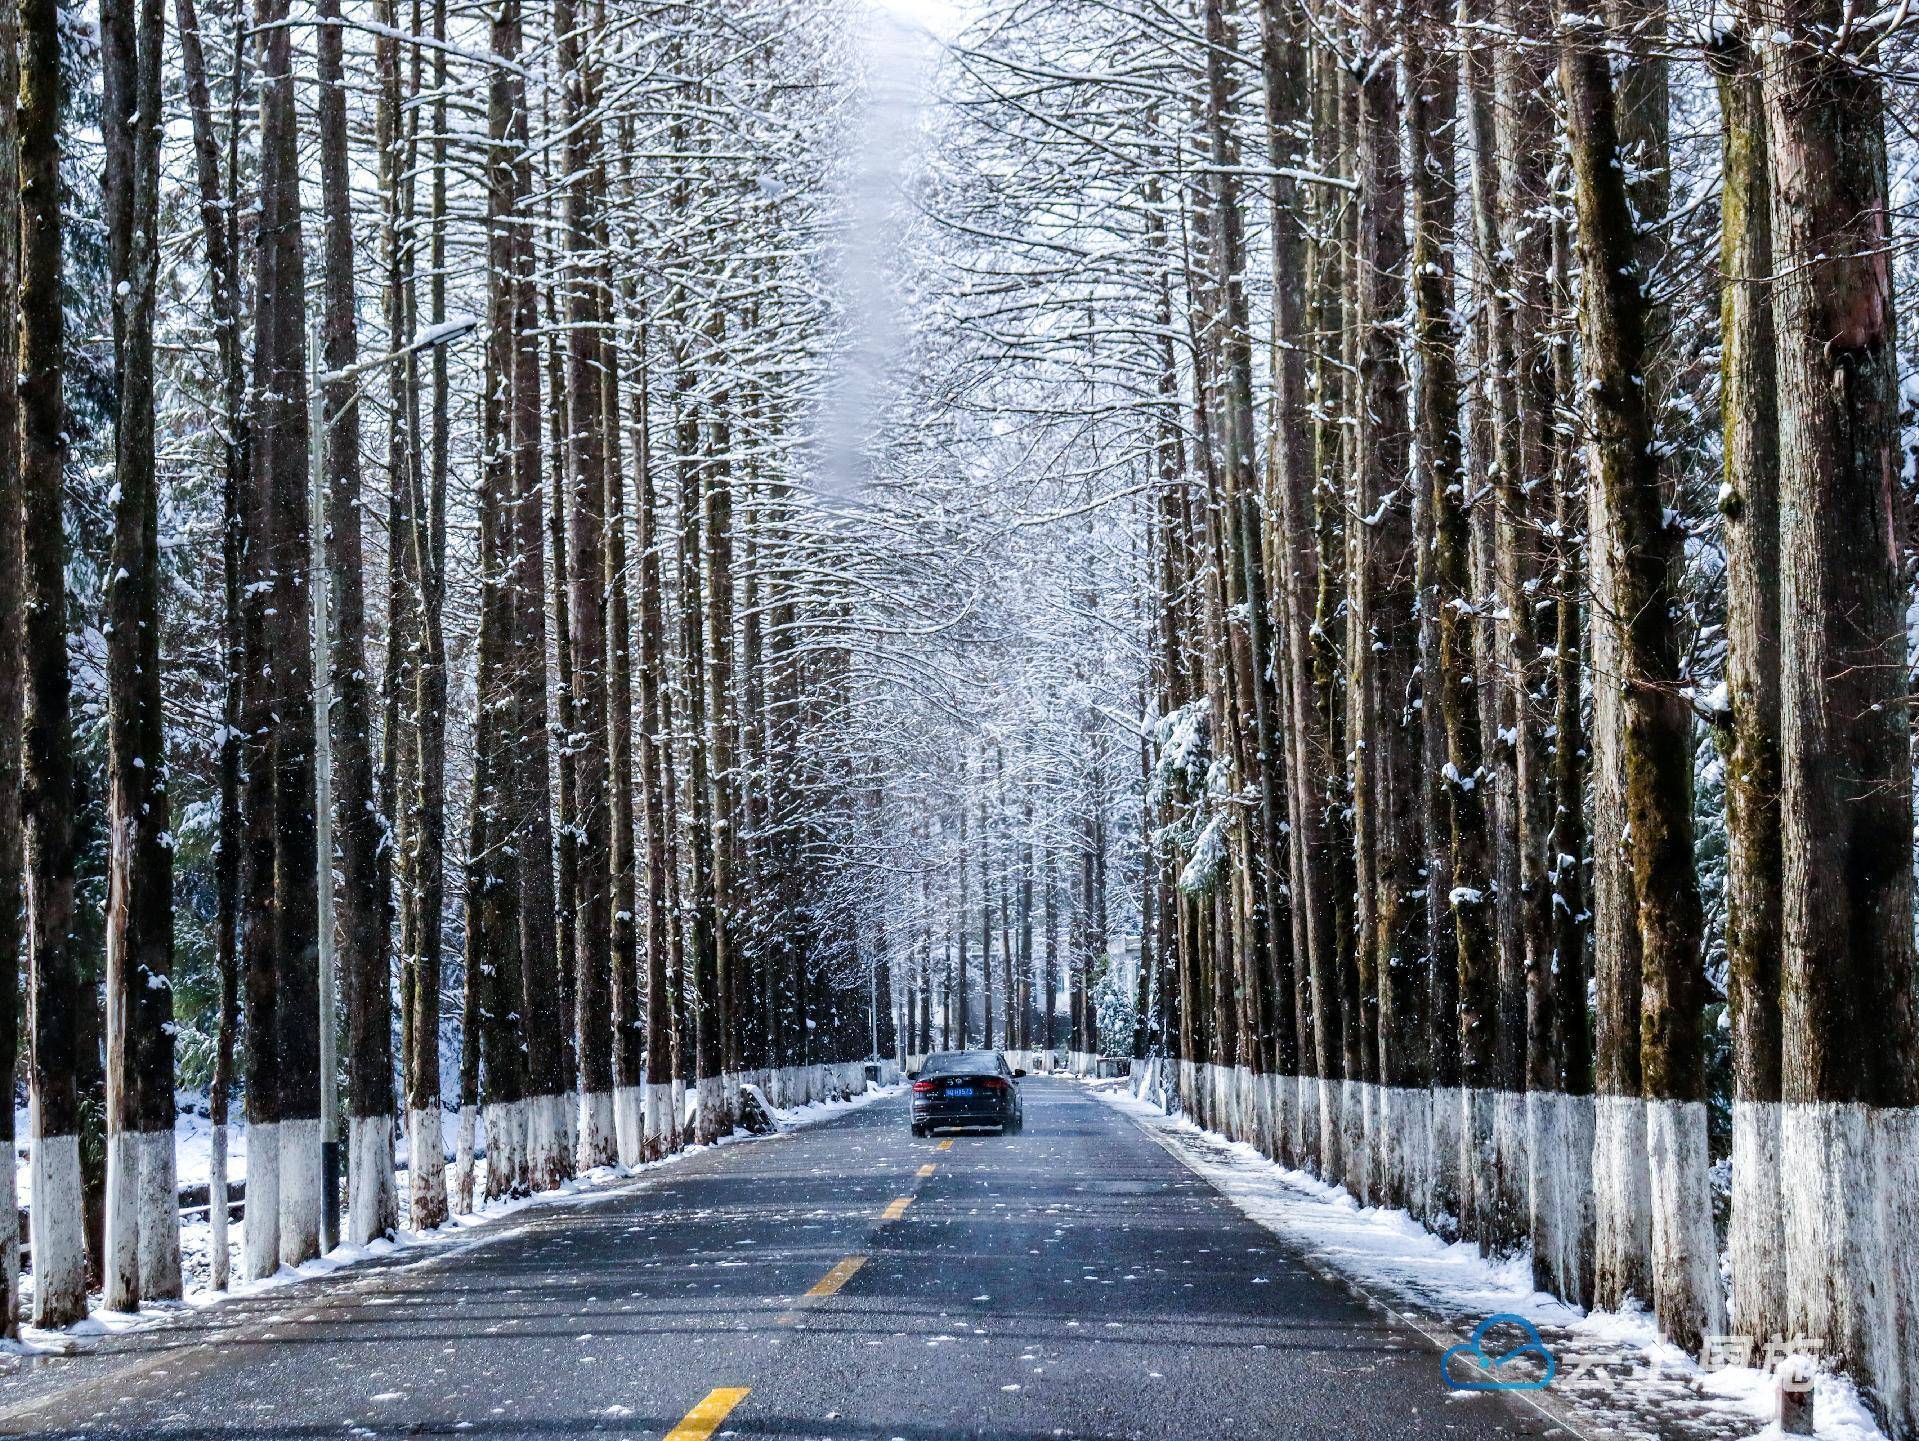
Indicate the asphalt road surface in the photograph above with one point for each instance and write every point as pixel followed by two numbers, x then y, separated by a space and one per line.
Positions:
pixel 841 1281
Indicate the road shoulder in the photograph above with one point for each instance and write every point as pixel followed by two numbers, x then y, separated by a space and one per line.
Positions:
pixel 1617 1377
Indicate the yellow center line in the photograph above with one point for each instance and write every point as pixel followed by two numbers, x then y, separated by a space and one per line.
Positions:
pixel 896 1209
pixel 704 1419
pixel 842 1272
pixel 945 1145
pixel 928 1169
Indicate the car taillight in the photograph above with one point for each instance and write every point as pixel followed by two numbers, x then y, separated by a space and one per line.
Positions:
pixel 992 1083
pixel 922 1088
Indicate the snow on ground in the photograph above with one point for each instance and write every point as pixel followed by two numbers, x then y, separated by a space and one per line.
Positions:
pixel 1615 1373
pixel 449 1240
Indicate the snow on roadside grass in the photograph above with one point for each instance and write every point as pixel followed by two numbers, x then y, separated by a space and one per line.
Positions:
pixel 1632 1382
pixel 460 1233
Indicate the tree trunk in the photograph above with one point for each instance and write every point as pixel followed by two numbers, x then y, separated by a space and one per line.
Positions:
pixel 12 638
pixel 1749 736
pixel 722 782
pixel 218 219
pixel 1460 1018
pixel 495 980
pixel 1848 1076
pixel 140 866
pixel 586 474
pixel 566 903
pixel 1642 540
pixel 545 943
pixel 985 849
pixel 372 1199
pixel 281 439
pixel 661 1124
pixel 629 1065
pixel 1572 969
pixel 1399 941
pixel 960 923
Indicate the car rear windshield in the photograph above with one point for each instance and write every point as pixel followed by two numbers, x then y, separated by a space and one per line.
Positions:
pixel 949 1063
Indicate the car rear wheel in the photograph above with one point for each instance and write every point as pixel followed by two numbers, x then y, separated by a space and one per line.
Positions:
pixel 919 1131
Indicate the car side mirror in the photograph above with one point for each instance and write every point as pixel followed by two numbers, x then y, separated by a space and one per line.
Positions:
pixel 912 1075
pixel 1017 1073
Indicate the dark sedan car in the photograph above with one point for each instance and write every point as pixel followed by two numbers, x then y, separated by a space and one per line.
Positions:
pixel 957 1089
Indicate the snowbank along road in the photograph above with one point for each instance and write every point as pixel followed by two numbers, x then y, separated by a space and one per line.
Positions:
pixel 842 1281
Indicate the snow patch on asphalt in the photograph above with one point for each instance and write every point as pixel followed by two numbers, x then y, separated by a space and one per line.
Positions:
pixel 1615 1371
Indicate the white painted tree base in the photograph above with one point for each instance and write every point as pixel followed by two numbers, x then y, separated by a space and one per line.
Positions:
pixel 1312 1125
pixel 1510 1169
pixel 505 1149
pixel 1756 1234
pixel 217 1212
pixel 160 1278
pixel 1256 1109
pixel 1622 1203
pixel 1836 1254
pixel 1559 1144
pixel 1445 1199
pixel 549 1140
pixel 1406 1131
pixel 710 1123
pixel 260 1224
pixel 463 1144
pixel 566 1108
pixel 1332 1132
pixel 1354 1141
pixel 597 1146
pixel 1283 1098
pixel 662 1135
pixel 9 1252
pixel 629 1124
pixel 57 1234
pixel 425 1170
pixel 120 1265
pixel 1478 1169
pixel 302 1190
pixel 1685 1254
pixel 373 1196
pixel 541 1136
pixel 566 1132
pixel 1896 1145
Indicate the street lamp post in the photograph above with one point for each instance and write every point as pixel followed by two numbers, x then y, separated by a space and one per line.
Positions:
pixel 320 423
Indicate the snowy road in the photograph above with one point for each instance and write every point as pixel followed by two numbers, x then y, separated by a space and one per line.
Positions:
pixel 841 1281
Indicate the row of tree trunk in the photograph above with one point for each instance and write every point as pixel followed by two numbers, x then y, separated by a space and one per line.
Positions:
pixel 646 783
pixel 999 969
pixel 1426 601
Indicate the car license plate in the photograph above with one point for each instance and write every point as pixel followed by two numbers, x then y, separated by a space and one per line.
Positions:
pixel 959 1090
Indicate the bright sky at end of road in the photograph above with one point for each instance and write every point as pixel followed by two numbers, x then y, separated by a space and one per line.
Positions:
pixel 941 18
